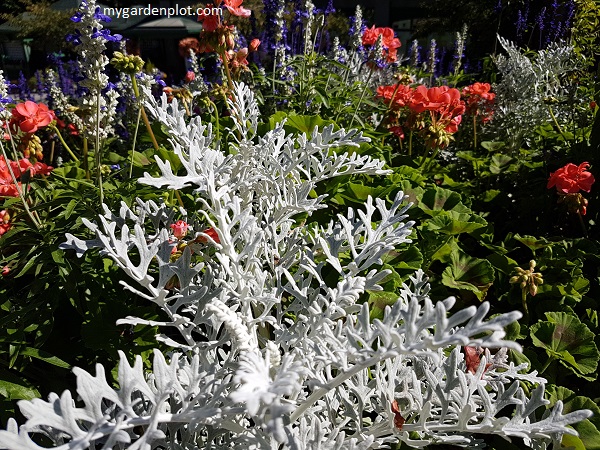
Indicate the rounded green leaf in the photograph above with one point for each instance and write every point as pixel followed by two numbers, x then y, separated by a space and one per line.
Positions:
pixel 468 273
pixel 565 338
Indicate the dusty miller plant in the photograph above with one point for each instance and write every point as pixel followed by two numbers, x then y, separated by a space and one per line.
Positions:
pixel 531 90
pixel 268 351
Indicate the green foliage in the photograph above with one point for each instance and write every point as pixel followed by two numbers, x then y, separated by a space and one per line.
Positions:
pixel 47 26
pixel 480 212
pixel 569 341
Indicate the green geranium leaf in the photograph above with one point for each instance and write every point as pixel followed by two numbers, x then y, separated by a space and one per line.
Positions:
pixel 490 195
pixel 468 273
pixel 379 300
pixel 470 156
pixel 437 199
pixel 140 160
pixel 493 146
pixel 500 163
pixel 170 156
pixel 531 242
pixel 304 124
pixel 452 222
pixel 565 338
pixel 405 262
pixel 502 263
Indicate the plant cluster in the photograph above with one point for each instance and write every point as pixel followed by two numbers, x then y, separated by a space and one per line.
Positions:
pixel 266 254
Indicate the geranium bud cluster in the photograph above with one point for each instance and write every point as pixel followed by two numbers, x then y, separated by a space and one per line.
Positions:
pixel 129 64
pixel 4 221
pixel 220 36
pixel 528 279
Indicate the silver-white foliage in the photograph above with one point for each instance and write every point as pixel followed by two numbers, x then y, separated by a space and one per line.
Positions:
pixel 528 84
pixel 271 354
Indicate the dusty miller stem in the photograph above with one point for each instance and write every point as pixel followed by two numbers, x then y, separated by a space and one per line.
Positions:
pixel 320 393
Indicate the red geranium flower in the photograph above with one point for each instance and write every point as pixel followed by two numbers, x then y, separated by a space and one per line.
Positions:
pixel 397 131
pixel 479 100
pixel 390 43
pixel 441 99
pixel 41 168
pixel 212 233
pixel 210 22
pixel 235 8
pixel 571 179
pixel 453 125
pixel 30 116
pixel 396 96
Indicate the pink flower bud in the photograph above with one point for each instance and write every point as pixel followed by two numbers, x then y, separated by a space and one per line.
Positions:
pixel 180 229
pixel 254 44
pixel 189 76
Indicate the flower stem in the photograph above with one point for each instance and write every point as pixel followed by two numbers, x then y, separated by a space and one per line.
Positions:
pixel 137 126
pixel 64 144
pixel 86 162
pixel 223 55
pixel 19 188
pixel 524 302
pixel 362 96
pixel 582 223
pixel 216 111
pixel 474 132
pixel 558 127
pixel 136 92
pixel 97 149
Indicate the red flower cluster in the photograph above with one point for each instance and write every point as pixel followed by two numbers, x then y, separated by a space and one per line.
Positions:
pixel 442 100
pixel 443 105
pixel 570 179
pixel 30 116
pixel 7 187
pixel 235 8
pixel 396 96
pixel 391 44
pixel 479 100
